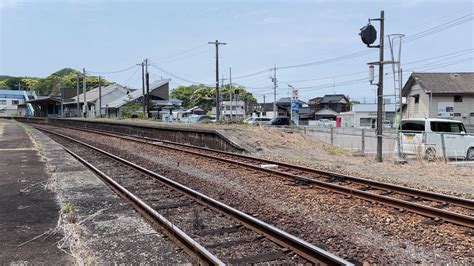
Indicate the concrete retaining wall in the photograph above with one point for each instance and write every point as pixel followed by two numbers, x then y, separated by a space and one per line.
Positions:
pixel 194 136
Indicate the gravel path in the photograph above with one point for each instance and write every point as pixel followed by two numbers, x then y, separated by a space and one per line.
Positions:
pixel 351 228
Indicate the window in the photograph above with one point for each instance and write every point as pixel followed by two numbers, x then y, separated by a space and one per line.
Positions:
pixel 365 122
pixel 417 98
pixel 472 114
pixel 457 114
pixel 447 127
pixel 15 102
pixel 457 98
pixel 413 125
pixel 4 102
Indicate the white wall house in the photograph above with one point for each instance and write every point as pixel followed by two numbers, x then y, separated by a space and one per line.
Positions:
pixel 365 115
pixel 234 108
pixel 440 95
pixel 10 99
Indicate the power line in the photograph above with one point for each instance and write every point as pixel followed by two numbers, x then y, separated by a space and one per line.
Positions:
pixel 456 54
pixel 364 80
pixel 253 74
pixel 134 73
pixel 410 38
pixel 183 52
pixel 112 72
pixel 413 37
pixel 174 75
pixel 186 57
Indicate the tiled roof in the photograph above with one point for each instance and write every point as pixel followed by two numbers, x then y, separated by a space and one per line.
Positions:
pixel 443 83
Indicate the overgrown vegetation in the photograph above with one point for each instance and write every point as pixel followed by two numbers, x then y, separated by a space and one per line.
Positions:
pixel 132 110
pixel 205 97
pixel 65 78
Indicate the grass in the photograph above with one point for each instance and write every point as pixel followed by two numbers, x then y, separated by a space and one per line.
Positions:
pixel 67 207
pixel 334 150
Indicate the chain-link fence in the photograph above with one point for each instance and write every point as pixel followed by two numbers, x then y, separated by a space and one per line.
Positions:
pixel 356 139
pixel 418 145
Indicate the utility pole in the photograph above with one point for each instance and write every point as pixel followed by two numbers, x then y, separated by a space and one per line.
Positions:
pixel 274 79
pixel 263 108
pixel 77 94
pixel 222 89
pixel 217 43
pixel 100 98
pixel 147 81
pixel 62 101
pixel 84 90
pixel 143 88
pixel 230 91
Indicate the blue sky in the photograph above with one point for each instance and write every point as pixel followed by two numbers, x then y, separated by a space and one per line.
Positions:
pixel 40 37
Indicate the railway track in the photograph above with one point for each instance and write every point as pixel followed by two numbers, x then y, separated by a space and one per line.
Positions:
pixel 433 205
pixel 206 229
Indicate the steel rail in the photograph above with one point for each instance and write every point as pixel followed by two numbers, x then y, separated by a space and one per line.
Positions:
pixel 304 249
pixel 441 198
pixel 185 241
pixel 424 210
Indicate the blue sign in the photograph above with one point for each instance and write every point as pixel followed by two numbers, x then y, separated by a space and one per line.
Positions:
pixel 295 105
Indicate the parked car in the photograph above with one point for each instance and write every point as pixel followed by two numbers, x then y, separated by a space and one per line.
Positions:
pixel 280 121
pixel 197 119
pixel 387 124
pixel 425 137
pixel 259 121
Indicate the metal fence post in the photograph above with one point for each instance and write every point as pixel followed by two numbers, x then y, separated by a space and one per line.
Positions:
pixel 332 136
pixel 363 141
pixel 443 147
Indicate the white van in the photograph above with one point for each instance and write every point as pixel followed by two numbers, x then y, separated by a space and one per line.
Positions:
pixel 423 137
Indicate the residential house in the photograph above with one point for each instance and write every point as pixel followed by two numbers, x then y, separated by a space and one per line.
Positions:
pixel 440 95
pixel 283 108
pixel 11 99
pixel 329 106
pixel 266 110
pixel 236 109
pixel 365 115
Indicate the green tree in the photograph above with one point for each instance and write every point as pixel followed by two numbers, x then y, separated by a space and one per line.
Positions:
pixel 205 97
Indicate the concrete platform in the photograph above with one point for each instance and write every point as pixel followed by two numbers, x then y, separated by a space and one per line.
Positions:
pixel 96 225
pixel 28 210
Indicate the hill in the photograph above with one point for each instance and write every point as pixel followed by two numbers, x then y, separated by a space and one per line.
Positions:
pixel 65 78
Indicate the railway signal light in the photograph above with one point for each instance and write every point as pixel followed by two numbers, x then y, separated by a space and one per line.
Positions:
pixel 368 34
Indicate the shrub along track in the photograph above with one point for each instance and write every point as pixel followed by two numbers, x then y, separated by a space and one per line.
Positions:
pixel 316 235
pixel 226 234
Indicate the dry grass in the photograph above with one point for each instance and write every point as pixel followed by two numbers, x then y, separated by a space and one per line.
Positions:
pixel 294 147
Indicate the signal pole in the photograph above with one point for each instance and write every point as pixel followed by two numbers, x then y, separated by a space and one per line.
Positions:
pixel 369 35
pixel 380 90
pixel 217 43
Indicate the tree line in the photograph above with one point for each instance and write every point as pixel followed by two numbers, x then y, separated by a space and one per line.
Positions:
pixel 205 96
pixel 63 79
